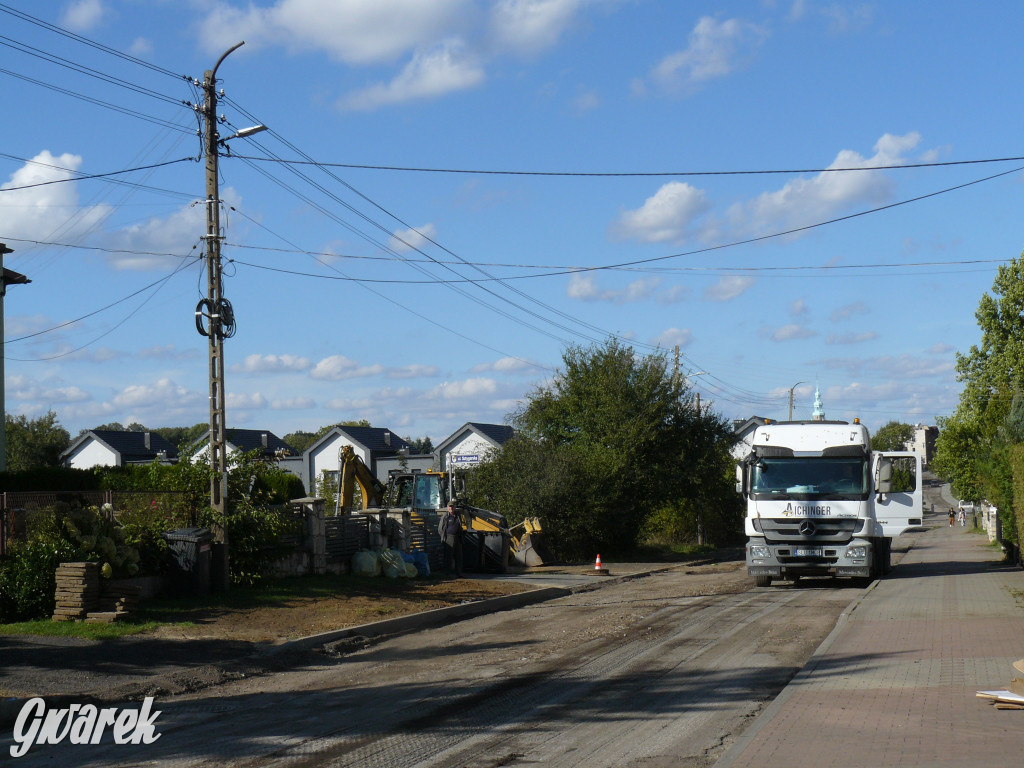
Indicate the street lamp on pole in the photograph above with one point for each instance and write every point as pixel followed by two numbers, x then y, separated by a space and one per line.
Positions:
pixel 791 398
pixel 215 317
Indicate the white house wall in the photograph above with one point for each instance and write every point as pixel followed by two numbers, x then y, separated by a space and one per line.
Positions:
pixel 467 451
pixel 413 464
pixel 93 454
pixel 325 457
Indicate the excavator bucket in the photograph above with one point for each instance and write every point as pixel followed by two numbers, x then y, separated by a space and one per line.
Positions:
pixel 531 549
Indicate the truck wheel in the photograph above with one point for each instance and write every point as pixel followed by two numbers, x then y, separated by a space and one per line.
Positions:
pixel 763 581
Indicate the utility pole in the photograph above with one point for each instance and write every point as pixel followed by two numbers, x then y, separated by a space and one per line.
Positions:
pixel 7 277
pixel 791 398
pixel 216 311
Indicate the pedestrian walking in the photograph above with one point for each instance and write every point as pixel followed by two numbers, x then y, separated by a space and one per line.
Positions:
pixel 963 517
pixel 449 528
pixel 952 517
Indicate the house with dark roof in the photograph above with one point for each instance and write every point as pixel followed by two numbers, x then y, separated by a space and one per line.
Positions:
pixel 371 444
pixel 472 443
pixel 114 448
pixel 744 431
pixel 270 447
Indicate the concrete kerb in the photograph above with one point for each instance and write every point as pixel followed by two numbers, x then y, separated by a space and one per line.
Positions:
pixel 443 616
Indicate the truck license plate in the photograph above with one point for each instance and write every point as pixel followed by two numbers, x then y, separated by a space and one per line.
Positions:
pixel 807 552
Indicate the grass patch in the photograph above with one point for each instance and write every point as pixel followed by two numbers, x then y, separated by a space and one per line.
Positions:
pixel 81 629
pixel 281 593
pixel 654 552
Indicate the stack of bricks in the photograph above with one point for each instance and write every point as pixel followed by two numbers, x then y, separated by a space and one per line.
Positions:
pixel 78 589
pixel 114 604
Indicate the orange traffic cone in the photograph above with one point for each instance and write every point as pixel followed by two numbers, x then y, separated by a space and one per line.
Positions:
pixel 597 565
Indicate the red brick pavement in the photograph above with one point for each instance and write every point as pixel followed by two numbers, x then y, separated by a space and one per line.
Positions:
pixel 895 682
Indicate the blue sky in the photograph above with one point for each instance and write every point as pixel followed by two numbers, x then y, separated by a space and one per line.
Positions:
pixel 423 299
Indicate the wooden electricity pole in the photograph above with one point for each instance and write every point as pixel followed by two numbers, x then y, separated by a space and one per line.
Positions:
pixel 215 319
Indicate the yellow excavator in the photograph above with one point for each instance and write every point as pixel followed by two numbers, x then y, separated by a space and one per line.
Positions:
pixel 490 543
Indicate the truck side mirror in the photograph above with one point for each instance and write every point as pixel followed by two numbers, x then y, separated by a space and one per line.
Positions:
pixel 739 479
pixel 884 484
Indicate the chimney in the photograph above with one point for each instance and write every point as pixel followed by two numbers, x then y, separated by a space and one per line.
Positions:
pixel 387 439
pixel 263 439
pixel 146 441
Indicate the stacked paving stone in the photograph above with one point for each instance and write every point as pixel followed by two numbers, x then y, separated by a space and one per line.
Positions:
pixel 78 589
pixel 114 604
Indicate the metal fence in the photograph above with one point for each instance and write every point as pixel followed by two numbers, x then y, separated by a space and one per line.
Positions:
pixel 18 507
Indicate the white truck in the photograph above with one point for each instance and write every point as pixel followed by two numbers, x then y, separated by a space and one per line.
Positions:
pixel 820 502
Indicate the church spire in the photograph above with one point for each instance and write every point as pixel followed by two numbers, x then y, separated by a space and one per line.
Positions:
pixel 819 409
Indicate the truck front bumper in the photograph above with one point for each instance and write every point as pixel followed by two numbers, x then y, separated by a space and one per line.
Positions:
pixel 809 559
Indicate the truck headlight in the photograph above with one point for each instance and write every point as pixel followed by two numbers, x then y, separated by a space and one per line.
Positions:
pixel 759 551
pixel 857 553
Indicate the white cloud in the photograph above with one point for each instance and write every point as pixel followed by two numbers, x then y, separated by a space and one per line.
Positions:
pixel 902 367
pixel 22 325
pixel 673 337
pixel 82 15
pixel 806 201
pixel 245 402
pixel 585 288
pixel 506 365
pixel 145 244
pixel 293 404
pixel 586 101
pixel 847 311
pixel 716 49
pixel 530 26
pixel 727 288
pixel 23 389
pixel 442 69
pixel 339 367
pixel 798 308
pixel 469 388
pixel 141 47
pixel 352 31
pixel 850 338
pixel 164 395
pixel 940 348
pixel 167 352
pixel 665 216
pixel 260 364
pixel 788 332
pixel 412 239
pixel 413 371
pixel 42 209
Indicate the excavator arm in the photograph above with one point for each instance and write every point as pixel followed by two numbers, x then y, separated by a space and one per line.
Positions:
pixel 354 472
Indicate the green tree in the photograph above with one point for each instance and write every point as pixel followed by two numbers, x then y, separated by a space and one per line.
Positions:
pixel 614 438
pixel 300 440
pixel 35 442
pixel 894 436
pixel 183 437
pixel 420 445
pixel 976 446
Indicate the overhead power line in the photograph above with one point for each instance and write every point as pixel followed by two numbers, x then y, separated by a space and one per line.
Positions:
pixel 98 102
pixel 66 323
pixel 86 176
pixel 84 70
pixel 86 41
pixel 627 174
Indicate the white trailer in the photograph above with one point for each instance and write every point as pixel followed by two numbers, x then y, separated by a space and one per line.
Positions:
pixel 820 502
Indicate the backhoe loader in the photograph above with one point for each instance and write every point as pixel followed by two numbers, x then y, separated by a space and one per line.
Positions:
pixel 488 543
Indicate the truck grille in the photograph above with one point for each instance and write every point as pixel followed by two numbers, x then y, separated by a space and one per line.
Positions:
pixel 820 530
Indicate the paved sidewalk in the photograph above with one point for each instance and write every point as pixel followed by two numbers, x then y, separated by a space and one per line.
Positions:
pixel 894 684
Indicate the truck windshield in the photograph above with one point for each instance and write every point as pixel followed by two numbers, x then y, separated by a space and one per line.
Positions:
pixel 810 478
